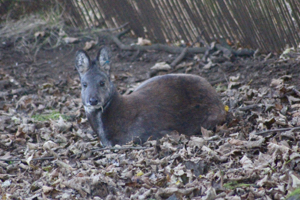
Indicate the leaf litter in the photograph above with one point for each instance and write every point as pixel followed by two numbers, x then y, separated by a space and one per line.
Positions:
pixel 48 151
pixel 58 157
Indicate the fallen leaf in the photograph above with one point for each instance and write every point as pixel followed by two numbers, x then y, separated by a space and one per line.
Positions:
pixel 70 40
pixel 143 42
pixel 39 34
pixel 161 66
pixel 90 44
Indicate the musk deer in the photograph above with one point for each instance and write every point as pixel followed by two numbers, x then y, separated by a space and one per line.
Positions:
pixel 162 104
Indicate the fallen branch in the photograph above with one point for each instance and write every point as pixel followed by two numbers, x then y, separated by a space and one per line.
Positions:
pixel 173 49
pixel 156 47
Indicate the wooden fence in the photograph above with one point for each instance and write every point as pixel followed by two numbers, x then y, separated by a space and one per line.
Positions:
pixel 269 25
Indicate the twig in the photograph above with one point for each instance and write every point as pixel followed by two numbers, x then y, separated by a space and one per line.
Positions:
pixel 122 33
pixel 278 130
pixel 180 57
pixel 120 148
pixel 296 92
pixel 13 159
pixel 199 39
pixel 23 160
pixel 245 108
pixel 117 28
pixel 223 80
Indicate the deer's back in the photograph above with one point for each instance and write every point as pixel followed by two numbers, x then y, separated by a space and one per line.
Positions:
pixel 165 103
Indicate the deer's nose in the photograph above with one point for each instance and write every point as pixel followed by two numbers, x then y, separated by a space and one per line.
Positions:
pixel 93 101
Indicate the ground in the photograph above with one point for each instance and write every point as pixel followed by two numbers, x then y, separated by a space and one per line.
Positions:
pixel 47 149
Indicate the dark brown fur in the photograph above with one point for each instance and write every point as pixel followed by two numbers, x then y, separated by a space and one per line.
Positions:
pixel 180 102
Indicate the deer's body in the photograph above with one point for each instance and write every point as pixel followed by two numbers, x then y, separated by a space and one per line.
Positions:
pixel 174 102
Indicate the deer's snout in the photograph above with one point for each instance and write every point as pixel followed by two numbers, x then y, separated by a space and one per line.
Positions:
pixel 93 101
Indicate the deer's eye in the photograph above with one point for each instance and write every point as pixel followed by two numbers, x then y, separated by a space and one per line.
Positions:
pixel 102 84
pixel 84 84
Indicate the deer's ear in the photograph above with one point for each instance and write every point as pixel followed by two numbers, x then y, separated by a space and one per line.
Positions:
pixel 104 59
pixel 82 62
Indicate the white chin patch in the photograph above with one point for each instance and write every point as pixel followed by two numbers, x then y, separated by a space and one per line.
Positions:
pixel 89 109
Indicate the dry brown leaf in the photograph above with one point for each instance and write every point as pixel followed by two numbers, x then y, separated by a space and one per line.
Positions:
pixel 236 142
pixel 209 151
pixel 275 147
pixel 70 40
pixel 209 65
pixel 64 165
pixel 25 101
pixel 293 100
pixel 143 42
pixel 196 142
pixel 276 82
pixel 254 144
pixel 47 189
pixel 90 44
pixel 49 145
pixel 29 159
pixel 247 163
pixel 206 133
pixel 295 179
pixel 60 125
pixel 39 34
pixel 210 194
pixel 32 146
pixel 161 66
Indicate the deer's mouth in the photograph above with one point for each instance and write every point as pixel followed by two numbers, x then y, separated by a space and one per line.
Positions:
pixel 90 108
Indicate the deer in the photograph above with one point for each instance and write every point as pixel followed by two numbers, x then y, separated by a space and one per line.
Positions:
pixel 158 106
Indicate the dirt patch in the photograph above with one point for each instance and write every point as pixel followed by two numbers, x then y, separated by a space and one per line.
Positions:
pixel 48 150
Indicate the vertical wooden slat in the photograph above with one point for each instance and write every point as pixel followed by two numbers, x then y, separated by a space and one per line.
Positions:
pixel 80 12
pixel 87 13
pixel 93 11
pixel 173 16
pixel 208 26
pixel 74 14
pixel 239 16
pixel 295 8
pixel 196 20
pixel 199 21
pixel 289 23
pixel 186 12
pixel 187 34
pixel 273 38
pixel 255 16
pixel 100 12
pixel 234 30
pixel 169 31
pixel 279 23
pixel 150 17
